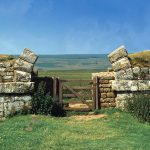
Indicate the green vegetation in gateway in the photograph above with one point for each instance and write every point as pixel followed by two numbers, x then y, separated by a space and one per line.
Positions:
pixel 116 131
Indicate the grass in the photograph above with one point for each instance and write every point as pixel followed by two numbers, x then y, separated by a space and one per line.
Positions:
pixel 140 59
pixel 68 74
pixel 118 131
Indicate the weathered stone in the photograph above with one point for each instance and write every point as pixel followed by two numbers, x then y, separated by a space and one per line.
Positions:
pixel 105 85
pixel 104 81
pixel 6 73
pixel 124 74
pixel 111 95
pixel 1 99
pixel 123 63
pixel 7 77
pixel 129 74
pixel 28 56
pixel 120 74
pixel 145 70
pixel 1 106
pixel 125 85
pixel 16 87
pixel 105 105
pixel 144 85
pixel 147 77
pixel 5 64
pixel 106 89
pixel 122 99
pixel 103 95
pixel 2 69
pixel 104 76
pixel 23 66
pixel 1 79
pixel 107 100
pixel 25 98
pixel 136 70
pixel 117 54
pixel 21 76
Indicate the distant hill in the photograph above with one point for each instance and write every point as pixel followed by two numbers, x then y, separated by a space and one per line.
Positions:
pixel 140 59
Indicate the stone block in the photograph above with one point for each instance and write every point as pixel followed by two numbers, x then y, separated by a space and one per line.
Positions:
pixel 103 95
pixel 123 63
pixel 9 78
pixel 108 100
pixel 1 79
pixel 125 85
pixel 111 95
pixel 1 106
pixel 104 105
pixel 22 65
pixel 24 98
pixel 121 100
pixel 105 85
pixel 145 70
pixel 16 87
pixel 144 85
pixel 117 54
pixel 20 76
pixel 5 64
pixel 147 77
pixel 29 56
pixel 106 89
pixel 124 74
pixel 104 81
pixel 1 99
pixel 104 75
pixel 136 70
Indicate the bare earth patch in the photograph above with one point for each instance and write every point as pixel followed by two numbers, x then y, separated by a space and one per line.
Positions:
pixel 89 117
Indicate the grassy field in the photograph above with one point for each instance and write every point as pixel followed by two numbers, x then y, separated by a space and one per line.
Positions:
pixel 116 131
pixel 68 74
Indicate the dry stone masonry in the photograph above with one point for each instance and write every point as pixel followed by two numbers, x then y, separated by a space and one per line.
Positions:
pixel 15 83
pixel 128 80
pixel 107 94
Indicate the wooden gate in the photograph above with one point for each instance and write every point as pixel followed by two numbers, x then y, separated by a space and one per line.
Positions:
pixel 85 92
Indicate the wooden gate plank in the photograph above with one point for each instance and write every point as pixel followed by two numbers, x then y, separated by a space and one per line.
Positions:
pixel 97 94
pixel 60 92
pixel 77 95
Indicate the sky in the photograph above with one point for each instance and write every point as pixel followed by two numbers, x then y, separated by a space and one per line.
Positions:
pixel 74 26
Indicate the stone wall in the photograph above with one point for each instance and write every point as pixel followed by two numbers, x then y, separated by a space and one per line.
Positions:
pixel 125 80
pixel 15 83
pixel 106 93
pixel 129 80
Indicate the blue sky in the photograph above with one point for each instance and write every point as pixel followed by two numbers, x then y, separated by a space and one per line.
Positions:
pixel 74 26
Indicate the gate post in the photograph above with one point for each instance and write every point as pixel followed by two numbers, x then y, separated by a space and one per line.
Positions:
pixel 60 92
pixel 94 93
pixel 98 104
pixel 54 86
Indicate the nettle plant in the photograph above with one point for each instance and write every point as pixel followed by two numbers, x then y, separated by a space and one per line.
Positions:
pixel 139 106
pixel 43 103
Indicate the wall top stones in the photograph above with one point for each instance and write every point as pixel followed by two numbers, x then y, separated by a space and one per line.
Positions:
pixel 117 54
pixel 28 56
pixel 104 75
pixel 15 76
